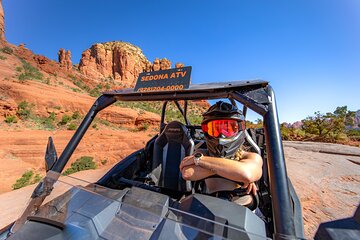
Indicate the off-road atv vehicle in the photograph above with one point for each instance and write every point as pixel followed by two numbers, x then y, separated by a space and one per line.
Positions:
pixel 144 196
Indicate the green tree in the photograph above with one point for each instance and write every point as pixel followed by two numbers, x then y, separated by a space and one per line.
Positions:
pixel 330 124
pixel 315 124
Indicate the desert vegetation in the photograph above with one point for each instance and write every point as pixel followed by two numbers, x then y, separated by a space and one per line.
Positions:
pixel 7 50
pixel 94 92
pixel 26 179
pixel 29 72
pixel 338 126
pixel 81 164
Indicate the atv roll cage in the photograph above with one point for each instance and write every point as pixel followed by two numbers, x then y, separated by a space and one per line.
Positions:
pixel 256 95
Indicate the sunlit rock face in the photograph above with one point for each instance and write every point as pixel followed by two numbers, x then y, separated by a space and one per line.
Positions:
pixel 2 24
pixel 120 61
pixel 65 59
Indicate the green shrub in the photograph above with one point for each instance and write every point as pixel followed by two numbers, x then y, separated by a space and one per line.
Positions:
pixel 291 134
pixel 72 126
pixel 22 77
pixel 26 179
pixel 24 110
pixel 65 119
pixel 30 72
pixel 83 163
pixel 75 90
pixel 7 50
pixel 18 69
pixel 341 137
pixel 144 127
pixel 353 134
pixel 80 83
pixel 48 123
pixel 76 115
pixel 104 161
pixel 11 119
pixel 95 92
pixel 2 57
pixel 37 178
pixel 47 81
pixel 72 77
pixel 104 122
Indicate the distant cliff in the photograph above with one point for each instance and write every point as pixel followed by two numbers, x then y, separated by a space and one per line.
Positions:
pixel 118 60
pixel 2 23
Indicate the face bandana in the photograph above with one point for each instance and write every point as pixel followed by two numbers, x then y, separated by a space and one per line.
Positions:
pixel 224 147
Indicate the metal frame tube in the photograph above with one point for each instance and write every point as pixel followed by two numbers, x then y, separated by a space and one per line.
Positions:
pixel 256 107
pixel 281 202
pixel 182 112
pixel 163 111
pixel 101 103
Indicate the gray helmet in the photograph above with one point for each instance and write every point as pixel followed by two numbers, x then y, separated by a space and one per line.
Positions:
pixel 222 110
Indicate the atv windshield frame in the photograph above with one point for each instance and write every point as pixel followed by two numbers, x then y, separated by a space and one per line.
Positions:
pixel 257 95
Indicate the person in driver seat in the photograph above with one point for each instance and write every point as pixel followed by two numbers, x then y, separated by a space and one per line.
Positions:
pixel 228 170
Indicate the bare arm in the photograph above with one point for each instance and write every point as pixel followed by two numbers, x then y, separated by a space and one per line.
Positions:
pixel 195 173
pixel 248 170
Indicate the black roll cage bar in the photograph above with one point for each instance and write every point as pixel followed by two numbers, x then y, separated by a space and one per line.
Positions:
pixel 256 95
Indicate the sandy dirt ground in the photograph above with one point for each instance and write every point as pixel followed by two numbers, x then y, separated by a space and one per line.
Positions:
pixel 325 176
pixel 24 150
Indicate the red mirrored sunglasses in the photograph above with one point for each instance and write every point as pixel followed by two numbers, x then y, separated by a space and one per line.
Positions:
pixel 226 127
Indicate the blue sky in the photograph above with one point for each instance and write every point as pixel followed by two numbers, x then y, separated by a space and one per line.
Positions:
pixel 308 50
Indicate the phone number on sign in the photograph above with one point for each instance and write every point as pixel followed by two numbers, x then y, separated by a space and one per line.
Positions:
pixel 167 88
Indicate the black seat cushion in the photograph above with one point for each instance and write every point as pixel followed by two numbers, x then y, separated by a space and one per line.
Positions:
pixel 172 145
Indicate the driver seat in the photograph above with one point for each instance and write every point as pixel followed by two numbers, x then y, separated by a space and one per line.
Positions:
pixel 172 145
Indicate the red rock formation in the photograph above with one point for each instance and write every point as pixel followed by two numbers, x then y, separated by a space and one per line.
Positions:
pixel 179 65
pixel 39 61
pixel 45 64
pixel 148 67
pixel 2 23
pixel 65 59
pixel 118 60
pixel 7 108
pixel 68 60
pixel 165 64
pixel 156 65
pixel 24 53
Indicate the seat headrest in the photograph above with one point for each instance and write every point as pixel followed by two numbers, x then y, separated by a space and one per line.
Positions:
pixel 175 129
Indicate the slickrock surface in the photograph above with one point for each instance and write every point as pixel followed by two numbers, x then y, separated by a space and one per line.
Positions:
pixel 326 178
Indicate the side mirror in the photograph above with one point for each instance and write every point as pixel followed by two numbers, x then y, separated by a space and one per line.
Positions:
pixel 50 155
